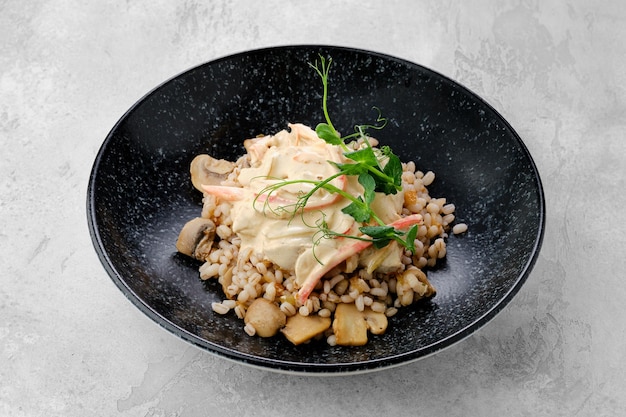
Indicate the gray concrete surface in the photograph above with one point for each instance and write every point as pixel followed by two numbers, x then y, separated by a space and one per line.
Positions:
pixel 72 345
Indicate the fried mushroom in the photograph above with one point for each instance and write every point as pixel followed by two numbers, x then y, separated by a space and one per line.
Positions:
pixel 209 171
pixel 265 316
pixel 196 238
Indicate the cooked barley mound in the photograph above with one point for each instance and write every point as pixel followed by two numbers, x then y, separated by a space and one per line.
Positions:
pixel 353 299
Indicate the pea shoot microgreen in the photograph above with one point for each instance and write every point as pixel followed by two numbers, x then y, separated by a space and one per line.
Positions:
pixel 378 170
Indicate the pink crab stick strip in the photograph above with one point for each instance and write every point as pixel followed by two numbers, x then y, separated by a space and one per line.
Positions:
pixel 343 253
pixel 227 193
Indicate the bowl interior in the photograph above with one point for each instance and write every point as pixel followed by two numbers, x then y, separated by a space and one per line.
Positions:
pixel 140 194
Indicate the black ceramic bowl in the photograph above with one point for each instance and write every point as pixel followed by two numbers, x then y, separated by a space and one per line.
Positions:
pixel 140 194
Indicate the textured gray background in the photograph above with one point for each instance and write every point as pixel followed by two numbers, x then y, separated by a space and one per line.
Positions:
pixel 72 345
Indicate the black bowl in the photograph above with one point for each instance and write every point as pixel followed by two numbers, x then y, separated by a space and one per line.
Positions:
pixel 140 194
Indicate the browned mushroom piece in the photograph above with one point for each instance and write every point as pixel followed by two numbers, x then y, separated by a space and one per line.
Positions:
pixel 265 317
pixel 385 260
pixel 376 322
pixel 351 325
pixel 300 329
pixel 427 290
pixel 196 238
pixel 209 171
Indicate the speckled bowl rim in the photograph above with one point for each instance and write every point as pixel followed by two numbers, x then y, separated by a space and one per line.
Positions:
pixel 324 369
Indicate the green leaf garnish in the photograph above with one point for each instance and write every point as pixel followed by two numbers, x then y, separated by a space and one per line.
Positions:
pixel 393 168
pixel 329 134
pixel 410 238
pixel 364 156
pixel 382 235
pixel 358 210
pixel 369 185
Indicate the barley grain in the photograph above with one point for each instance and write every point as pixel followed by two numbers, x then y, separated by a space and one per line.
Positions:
pixel 209 270
pixel 261 267
pixel 341 287
pixel 459 228
pixel 360 303
pixel 378 307
pixel 288 309
pixel 378 292
pixel 223 231
pixel 391 311
pixel 249 329
pixel 347 299
pixel 448 219
pixel 432 208
pixel 270 292
pixel 240 311
pixel 243 296
pixel 219 308
pixel 428 178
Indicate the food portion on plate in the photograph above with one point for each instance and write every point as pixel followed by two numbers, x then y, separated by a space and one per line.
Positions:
pixel 316 235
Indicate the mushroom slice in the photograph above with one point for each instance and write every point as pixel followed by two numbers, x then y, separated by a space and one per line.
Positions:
pixel 422 287
pixel 196 238
pixel 376 322
pixel 385 260
pixel 349 326
pixel 209 171
pixel 265 316
pixel 301 328
pixel 430 290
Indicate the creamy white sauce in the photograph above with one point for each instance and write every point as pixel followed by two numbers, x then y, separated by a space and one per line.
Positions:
pixel 269 228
